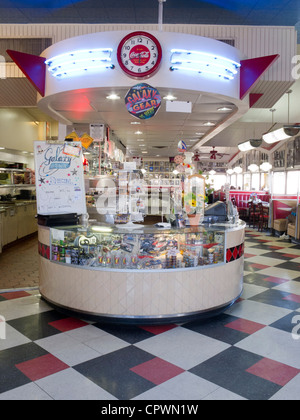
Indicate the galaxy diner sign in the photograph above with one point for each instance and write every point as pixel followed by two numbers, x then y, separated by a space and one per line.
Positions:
pixel 142 101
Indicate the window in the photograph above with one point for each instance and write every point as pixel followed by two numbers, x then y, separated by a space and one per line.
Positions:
pixel 264 181
pixel 279 183
pixel 255 182
pixel 292 182
pixel 247 182
pixel 240 181
pixel 217 180
pixel 233 180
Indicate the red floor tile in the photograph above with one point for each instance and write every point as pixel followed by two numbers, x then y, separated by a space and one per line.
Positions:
pixel 41 366
pixel 243 325
pixel 293 298
pixel 157 329
pixel 277 280
pixel 157 370
pixel 14 295
pixel 67 324
pixel 249 255
pixel 273 371
pixel 260 266
pixel 290 255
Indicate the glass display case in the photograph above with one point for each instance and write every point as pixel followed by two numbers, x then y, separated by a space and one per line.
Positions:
pixel 147 248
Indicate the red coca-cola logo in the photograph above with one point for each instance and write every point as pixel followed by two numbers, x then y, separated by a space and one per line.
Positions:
pixel 139 55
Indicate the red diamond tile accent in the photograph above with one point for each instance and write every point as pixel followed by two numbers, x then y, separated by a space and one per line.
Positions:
pixel 228 255
pixel 157 370
pixel 241 250
pixel 273 371
pixel 235 252
pixel 41 366
pixel 67 324
pixel 157 329
pixel 14 295
pixel 245 326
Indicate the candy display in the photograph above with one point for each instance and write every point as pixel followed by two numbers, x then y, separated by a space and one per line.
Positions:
pixel 142 249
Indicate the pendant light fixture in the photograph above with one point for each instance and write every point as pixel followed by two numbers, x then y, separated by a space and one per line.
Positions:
pixel 284 132
pixel 266 166
pixel 253 167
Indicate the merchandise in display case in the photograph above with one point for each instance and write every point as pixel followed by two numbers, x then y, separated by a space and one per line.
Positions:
pixel 141 249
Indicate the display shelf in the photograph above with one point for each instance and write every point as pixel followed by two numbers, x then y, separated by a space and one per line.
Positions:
pixel 143 249
pixel 13 177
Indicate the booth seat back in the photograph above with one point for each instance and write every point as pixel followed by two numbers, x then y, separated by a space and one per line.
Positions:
pixel 281 208
pixel 242 197
pixel 294 228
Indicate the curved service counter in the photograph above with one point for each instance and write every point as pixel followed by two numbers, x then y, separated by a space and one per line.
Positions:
pixel 143 274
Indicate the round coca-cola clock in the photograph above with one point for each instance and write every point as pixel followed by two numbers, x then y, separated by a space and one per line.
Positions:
pixel 139 54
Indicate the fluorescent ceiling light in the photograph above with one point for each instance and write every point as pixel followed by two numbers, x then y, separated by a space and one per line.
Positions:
pixel 230 171
pixel 135 122
pixel 138 132
pixel 209 124
pixel 281 134
pixel 224 108
pixel 169 98
pixel 249 144
pixel 113 97
pixel 244 147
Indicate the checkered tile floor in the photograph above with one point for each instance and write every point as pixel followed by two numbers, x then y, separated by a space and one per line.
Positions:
pixel 252 351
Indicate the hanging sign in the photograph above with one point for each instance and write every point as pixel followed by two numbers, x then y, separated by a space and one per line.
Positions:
pixel 73 136
pixel 86 140
pixel 142 101
pixel 59 178
pixel 181 146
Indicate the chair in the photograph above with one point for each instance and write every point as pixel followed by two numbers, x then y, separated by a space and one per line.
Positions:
pixel 254 213
pixel 263 220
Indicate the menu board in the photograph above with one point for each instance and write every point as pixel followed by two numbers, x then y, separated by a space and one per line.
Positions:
pixel 59 178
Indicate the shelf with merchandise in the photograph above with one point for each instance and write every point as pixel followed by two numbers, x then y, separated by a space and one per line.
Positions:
pixel 141 249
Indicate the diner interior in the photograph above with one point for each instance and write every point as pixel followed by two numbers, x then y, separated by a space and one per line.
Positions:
pixel 248 352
